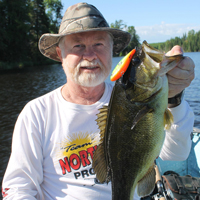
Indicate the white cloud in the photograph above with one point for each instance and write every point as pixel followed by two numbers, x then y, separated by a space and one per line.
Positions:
pixel 162 32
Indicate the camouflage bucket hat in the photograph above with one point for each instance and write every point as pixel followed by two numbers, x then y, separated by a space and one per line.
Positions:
pixel 81 17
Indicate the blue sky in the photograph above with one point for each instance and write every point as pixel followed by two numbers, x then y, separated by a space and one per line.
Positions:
pixel 154 20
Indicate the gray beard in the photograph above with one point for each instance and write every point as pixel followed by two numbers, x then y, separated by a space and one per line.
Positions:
pixel 90 80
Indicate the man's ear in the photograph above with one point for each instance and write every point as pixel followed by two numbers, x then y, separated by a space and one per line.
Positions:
pixel 58 50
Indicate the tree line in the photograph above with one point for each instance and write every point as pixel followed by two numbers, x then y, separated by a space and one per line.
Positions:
pixel 189 42
pixel 22 22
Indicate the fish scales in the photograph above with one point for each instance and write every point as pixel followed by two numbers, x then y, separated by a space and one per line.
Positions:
pixel 134 133
pixel 131 153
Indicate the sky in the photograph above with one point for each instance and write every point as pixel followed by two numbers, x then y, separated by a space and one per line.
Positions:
pixel 154 20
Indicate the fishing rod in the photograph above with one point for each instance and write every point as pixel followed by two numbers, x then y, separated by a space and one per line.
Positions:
pixel 162 194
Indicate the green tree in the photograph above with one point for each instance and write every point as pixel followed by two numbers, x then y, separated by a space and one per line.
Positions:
pixel 39 24
pixel 22 24
pixel 198 41
pixel 53 10
pixel 191 40
pixel 14 30
pixel 119 24
pixel 134 40
pixel 184 37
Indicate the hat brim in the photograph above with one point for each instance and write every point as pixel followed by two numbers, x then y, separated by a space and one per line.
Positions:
pixel 48 42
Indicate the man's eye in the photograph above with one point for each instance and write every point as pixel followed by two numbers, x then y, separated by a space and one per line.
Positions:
pixel 78 45
pixel 98 44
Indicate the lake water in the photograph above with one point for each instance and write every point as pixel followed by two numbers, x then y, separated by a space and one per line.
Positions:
pixel 16 89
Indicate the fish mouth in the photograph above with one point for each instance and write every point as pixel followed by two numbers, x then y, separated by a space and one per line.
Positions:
pixel 128 79
pixel 146 56
pixel 146 65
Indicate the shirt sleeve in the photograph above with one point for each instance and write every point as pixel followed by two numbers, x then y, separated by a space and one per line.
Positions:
pixel 178 141
pixel 24 172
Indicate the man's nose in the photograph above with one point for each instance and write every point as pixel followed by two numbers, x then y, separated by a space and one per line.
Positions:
pixel 89 54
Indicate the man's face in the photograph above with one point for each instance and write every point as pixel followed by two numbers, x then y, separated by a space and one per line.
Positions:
pixel 87 57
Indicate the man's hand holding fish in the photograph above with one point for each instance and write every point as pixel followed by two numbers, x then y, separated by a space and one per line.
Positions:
pixel 181 76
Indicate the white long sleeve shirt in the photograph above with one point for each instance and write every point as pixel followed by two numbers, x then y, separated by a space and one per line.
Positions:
pixel 53 146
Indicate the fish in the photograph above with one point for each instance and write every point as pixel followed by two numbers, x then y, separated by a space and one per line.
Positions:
pixel 132 126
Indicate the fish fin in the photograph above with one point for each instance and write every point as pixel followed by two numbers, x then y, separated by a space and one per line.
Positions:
pixel 99 162
pixel 140 115
pixel 168 119
pixel 147 183
pixel 168 63
pixel 102 120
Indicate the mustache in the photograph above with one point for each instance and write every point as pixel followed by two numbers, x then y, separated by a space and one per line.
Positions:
pixel 93 63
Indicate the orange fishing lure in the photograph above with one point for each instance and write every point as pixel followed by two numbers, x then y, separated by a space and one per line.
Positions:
pixel 122 66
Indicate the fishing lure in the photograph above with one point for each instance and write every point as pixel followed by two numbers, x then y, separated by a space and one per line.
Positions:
pixel 122 66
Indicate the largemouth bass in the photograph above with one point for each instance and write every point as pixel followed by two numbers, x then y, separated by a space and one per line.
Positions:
pixel 132 125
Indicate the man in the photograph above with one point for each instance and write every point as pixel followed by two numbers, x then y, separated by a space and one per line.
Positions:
pixel 56 135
